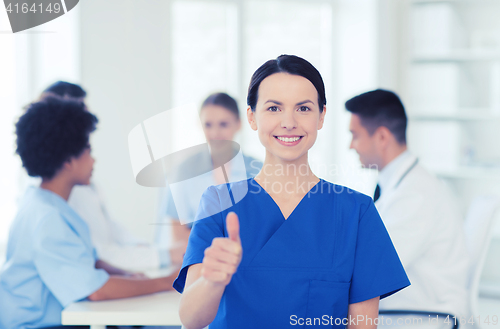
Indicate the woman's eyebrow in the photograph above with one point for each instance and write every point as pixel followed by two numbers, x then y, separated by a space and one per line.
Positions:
pixel 273 101
pixel 298 104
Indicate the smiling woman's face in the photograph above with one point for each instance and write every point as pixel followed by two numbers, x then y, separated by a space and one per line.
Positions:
pixel 287 116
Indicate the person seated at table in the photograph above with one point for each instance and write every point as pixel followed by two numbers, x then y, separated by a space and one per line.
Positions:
pixel 220 119
pixel 112 241
pixel 295 249
pixel 50 259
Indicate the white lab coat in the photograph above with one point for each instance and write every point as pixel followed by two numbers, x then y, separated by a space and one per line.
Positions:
pixel 426 228
pixel 113 243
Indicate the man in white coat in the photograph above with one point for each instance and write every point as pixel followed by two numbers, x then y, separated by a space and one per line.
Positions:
pixel 417 209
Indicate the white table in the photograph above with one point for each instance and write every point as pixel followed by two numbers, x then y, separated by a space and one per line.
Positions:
pixel 160 309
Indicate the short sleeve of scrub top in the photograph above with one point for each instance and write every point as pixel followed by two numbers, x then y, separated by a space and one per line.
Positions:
pixel 376 273
pixel 64 262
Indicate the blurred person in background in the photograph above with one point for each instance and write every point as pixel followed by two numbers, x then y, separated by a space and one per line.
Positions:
pixel 220 119
pixel 51 261
pixel 113 242
pixel 418 210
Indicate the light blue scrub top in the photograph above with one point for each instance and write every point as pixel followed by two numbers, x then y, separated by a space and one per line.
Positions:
pixel 333 250
pixel 50 263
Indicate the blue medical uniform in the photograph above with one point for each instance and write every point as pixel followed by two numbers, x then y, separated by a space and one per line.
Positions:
pixel 333 250
pixel 50 263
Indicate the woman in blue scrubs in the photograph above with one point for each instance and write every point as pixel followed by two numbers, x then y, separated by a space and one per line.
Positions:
pixel 295 250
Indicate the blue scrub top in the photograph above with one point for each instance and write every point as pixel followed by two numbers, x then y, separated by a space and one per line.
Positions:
pixel 50 263
pixel 332 251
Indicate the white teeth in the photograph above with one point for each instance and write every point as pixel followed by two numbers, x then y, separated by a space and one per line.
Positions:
pixel 288 139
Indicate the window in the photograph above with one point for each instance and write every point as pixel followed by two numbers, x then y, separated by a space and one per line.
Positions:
pixel 29 62
pixel 10 164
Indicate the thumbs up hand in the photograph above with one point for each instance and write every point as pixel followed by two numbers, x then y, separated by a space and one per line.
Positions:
pixel 223 257
pixel 233 227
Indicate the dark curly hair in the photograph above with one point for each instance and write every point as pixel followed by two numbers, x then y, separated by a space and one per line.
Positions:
pixel 51 132
pixel 66 90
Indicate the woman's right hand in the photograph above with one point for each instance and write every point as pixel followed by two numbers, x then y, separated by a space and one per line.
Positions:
pixel 223 257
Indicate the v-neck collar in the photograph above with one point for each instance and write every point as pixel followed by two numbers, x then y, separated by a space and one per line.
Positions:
pixel 277 206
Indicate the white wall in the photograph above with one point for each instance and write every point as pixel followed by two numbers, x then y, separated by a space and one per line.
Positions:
pixel 356 68
pixel 125 69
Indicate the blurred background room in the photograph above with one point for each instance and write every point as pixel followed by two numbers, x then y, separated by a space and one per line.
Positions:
pixel 137 59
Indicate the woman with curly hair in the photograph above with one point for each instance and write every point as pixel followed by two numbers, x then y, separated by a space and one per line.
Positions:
pixel 51 261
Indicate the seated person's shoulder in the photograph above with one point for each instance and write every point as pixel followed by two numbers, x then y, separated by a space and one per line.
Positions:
pixel 48 220
pixel 35 207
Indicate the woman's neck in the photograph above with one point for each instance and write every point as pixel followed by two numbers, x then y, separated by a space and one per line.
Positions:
pixel 58 186
pixel 295 176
